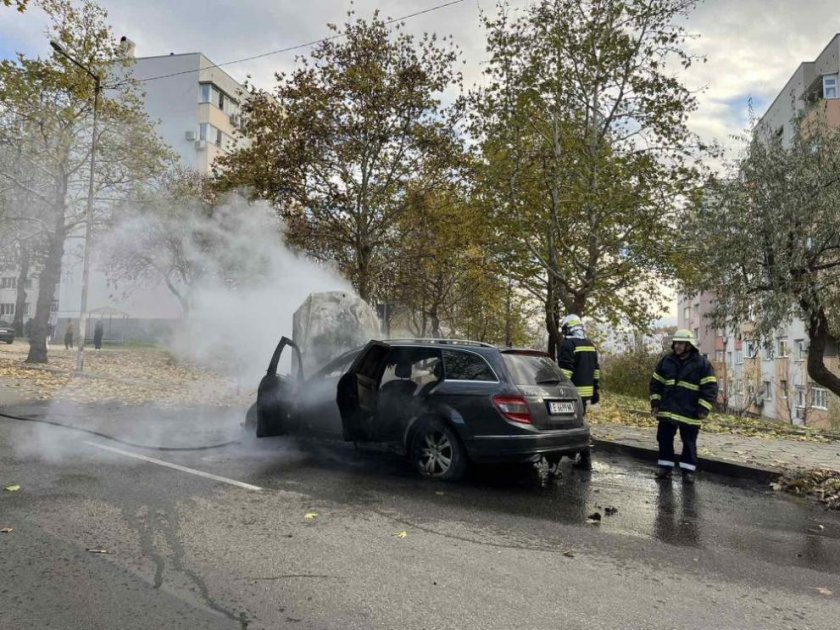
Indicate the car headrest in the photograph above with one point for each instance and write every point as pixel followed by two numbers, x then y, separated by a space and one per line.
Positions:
pixel 403 370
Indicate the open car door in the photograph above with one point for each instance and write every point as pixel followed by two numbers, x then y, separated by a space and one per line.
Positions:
pixel 357 391
pixel 276 393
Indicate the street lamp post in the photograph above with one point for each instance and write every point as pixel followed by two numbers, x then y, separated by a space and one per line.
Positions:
pixel 80 352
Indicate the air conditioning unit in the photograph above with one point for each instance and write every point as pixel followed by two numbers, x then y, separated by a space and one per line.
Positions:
pixel 201 145
pixel 190 135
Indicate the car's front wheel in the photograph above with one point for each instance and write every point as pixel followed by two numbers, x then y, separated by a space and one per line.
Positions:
pixel 436 451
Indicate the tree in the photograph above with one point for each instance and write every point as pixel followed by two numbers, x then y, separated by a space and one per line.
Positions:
pixel 586 150
pixel 338 141
pixel 45 120
pixel 20 5
pixel 766 239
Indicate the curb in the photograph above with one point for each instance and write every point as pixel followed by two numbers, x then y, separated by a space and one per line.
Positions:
pixel 726 468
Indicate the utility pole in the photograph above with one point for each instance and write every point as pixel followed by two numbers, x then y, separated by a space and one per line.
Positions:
pixel 80 352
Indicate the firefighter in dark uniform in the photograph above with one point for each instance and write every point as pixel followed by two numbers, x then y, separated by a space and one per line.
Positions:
pixel 578 360
pixel 683 390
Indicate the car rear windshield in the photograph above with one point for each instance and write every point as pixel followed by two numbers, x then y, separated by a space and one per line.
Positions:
pixel 528 369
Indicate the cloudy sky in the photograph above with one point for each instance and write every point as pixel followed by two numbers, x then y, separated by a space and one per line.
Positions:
pixel 752 46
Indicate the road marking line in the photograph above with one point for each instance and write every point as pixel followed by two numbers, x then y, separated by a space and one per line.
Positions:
pixel 160 462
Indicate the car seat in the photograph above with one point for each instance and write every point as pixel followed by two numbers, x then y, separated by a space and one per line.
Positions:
pixel 402 385
pixel 437 372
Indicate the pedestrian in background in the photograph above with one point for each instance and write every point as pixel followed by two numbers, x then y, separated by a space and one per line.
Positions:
pixel 68 336
pixel 98 332
pixel 683 390
pixel 578 360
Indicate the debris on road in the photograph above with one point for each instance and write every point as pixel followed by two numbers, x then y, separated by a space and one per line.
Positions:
pixel 569 553
pixel 96 550
pixel 594 518
pixel 12 488
pixel 610 510
pixel 824 592
pixel 402 534
pixel 310 516
pixel 7 530
pixel 821 484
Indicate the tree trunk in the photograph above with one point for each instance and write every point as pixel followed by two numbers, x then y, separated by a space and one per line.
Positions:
pixel 47 282
pixel 20 301
pixel 552 318
pixel 819 337
pixel 363 281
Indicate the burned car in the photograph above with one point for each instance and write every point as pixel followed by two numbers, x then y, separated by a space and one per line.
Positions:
pixel 444 403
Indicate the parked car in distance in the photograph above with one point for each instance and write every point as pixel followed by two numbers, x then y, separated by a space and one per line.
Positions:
pixel 7 332
pixel 442 402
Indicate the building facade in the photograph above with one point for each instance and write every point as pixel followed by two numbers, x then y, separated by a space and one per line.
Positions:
pixel 769 377
pixel 196 110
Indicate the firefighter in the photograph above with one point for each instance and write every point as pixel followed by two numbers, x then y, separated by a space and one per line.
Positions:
pixel 578 360
pixel 683 390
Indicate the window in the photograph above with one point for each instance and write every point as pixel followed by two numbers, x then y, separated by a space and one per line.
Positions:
pixel 209 93
pixel 737 387
pixel 729 357
pixel 801 350
pixel 687 314
pixel 767 390
pixel 54 306
pixel 8 283
pixel 800 397
pixel 752 349
pixel 819 398
pixel 7 309
pixel 739 357
pixel 830 86
pixel 719 356
pixel 466 366
pixel 783 387
pixel 769 353
pixel 781 348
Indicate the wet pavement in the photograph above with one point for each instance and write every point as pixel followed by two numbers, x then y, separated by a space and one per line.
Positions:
pixel 508 547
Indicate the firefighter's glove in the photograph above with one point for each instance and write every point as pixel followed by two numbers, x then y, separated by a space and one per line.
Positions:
pixel 596 398
pixel 654 410
pixel 703 414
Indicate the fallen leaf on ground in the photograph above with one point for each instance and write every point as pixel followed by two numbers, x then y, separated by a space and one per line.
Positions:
pixel 13 488
pixel 310 516
pixel 97 550
pixel 7 530
pixel 824 591
pixel 401 534
pixel 569 553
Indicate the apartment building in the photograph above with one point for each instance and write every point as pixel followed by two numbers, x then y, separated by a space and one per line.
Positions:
pixel 196 109
pixel 769 377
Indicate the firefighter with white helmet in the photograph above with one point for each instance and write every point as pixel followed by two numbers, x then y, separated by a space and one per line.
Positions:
pixel 683 390
pixel 578 360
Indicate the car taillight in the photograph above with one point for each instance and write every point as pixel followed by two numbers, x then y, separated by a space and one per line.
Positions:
pixel 513 408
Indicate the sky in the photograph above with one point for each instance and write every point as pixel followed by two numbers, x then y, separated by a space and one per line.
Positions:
pixel 752 47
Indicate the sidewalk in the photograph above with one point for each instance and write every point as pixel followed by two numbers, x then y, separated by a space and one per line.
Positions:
pixel 760 459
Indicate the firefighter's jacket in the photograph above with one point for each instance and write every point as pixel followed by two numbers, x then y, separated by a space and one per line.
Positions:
pixel 683 390
pixel 578 360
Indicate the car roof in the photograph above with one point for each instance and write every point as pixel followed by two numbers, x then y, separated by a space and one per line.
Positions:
pixel 439 342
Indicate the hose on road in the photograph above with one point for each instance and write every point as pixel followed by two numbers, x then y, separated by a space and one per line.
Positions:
pixel 105 436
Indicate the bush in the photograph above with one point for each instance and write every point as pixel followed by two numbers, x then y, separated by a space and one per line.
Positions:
pixel 628 374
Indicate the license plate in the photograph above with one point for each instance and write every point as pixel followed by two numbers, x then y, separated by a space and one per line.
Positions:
pixel 556 408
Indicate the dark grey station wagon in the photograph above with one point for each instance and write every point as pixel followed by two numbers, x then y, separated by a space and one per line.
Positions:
pixel 442 402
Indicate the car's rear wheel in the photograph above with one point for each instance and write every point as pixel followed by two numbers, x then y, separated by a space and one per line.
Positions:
pixel 436 451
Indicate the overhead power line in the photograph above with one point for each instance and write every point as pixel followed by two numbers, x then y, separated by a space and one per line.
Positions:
pixel 305 45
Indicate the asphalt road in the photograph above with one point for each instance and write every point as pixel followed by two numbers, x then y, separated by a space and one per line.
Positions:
pixel 507 548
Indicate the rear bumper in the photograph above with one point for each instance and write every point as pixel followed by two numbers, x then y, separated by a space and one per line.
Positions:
pixel 7 337
pixel 523 448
